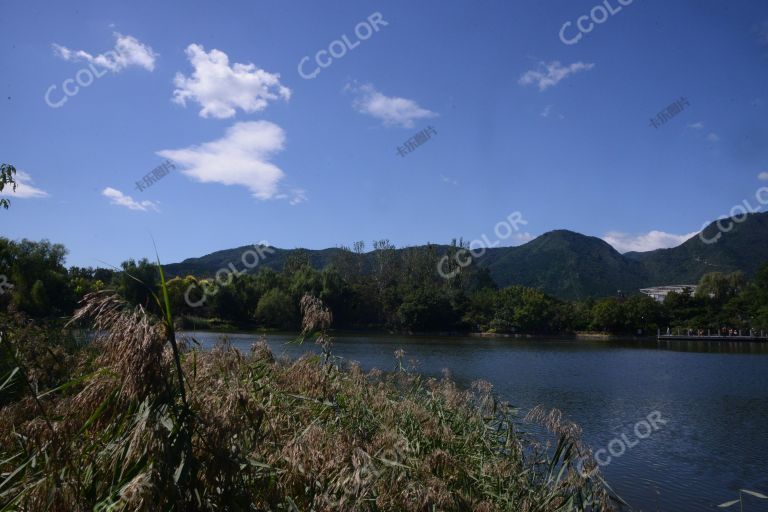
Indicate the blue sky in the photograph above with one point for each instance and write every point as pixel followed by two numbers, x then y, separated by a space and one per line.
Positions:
pixel 522 121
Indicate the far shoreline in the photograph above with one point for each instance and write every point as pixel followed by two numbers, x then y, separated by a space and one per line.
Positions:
pixel 578 336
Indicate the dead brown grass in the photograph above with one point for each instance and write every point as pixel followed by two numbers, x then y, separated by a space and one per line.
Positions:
pixel 270 435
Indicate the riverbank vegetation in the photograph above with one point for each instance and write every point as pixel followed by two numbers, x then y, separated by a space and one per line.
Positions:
pixel 136 419
pixel 400 292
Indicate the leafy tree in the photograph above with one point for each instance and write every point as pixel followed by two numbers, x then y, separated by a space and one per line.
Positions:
pixel 138 281
pixel 644 315
pixel 237 300
pixel 305 280
pixel 385 265
pixel 752 302
pixel 681 306
pixel 86 280
pixel 7 173
pixel 295 261
pixel 578 315
pixel 349 264
pixel 609 315
pixel 521 309
pixel 388 288
pixel 538 312
pixel 427 309
pixel 40 281
pixel 479 310
pixel 275 309
pixel 719 286
pixel 227 304
pixel 183 294
pixel 267 279
pixel 39 302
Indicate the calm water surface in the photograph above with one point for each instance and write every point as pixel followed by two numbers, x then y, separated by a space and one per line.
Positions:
pixel 714 397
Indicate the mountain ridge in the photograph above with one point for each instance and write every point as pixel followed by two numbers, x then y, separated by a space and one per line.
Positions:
pixel 564 263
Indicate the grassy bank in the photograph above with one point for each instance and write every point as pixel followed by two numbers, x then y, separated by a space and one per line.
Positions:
pixel 136 422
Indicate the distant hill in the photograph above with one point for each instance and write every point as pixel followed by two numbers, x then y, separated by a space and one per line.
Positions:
pixel 566 264
pixel 744 247
pixel 206 266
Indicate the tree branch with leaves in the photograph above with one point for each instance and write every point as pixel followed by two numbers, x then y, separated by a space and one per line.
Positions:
pixel 7 173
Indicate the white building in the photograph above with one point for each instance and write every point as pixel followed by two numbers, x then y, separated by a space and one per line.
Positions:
pixel 659 293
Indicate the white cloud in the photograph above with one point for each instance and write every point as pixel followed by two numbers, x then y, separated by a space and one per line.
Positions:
pixel 763 176
pixel 241 157
pixel 713 137
pixel 390 110
pixel 120 199
pixel 450 181
pixel 296 196
pixel 523 237
pixel 24 188
pixel 550 74
pixel 624 242
pixel 128 51
pixel 546 111
pixel 221 89
pixel 696 126
pixel 299 196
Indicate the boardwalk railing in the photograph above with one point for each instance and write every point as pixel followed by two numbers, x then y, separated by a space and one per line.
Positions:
pixel 698 335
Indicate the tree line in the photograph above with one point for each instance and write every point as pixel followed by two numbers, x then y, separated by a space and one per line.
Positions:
pixel 401 291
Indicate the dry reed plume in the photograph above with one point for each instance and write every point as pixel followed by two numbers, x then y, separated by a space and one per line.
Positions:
pixel 261 434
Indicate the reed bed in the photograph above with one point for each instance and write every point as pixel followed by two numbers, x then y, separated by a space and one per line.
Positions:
pixel 143 422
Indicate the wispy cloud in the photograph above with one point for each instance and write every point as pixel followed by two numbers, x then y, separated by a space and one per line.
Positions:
pixel 763 176
pixel 24 188
pixel 450 181
pixel 221 89
pixel 546 111
pixel 522 238
pixel 241 157
pixel 696 126
pixel 624 242
pixel 118 198
pixel 713 137
pixel 128 51
pixel 550 74
pixel 295 196
pixel 391 110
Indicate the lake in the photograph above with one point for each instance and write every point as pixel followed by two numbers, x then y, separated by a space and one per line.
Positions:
pixel 712 396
